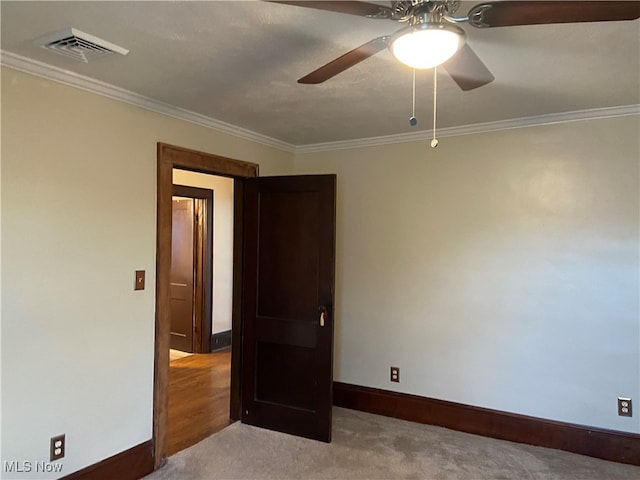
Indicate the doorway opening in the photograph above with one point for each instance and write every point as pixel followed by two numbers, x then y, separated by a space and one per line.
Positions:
pixel 283 277
pixel 169 158
pixel 201 307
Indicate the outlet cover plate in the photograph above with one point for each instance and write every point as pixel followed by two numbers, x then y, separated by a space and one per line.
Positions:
pixel 624 407
pixel 57 448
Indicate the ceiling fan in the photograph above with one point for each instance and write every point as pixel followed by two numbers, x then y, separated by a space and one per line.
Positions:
pixel 432 35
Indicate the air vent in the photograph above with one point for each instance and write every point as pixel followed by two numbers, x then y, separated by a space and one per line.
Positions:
pixel 79 45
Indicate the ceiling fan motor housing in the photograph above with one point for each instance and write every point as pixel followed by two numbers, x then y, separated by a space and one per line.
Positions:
pixel 415 11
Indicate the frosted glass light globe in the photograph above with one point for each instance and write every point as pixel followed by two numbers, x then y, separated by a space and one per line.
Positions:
pixel 426 45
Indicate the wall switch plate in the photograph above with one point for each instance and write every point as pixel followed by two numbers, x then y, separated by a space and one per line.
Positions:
pixel 139 280
pixel 624 407
pixel 395 374
pixel 57 448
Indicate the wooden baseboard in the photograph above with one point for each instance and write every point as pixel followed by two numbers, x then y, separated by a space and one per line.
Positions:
pixel 220 340
pixel 131 464
pixel 610 445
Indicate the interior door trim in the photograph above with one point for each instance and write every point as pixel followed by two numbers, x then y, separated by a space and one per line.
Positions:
pixel 168 158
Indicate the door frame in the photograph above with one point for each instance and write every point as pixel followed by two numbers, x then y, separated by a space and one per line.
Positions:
pixel 202 265
pixel 168 158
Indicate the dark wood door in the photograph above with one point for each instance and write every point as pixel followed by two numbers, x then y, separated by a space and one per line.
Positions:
pixel 289 252
pixel 182 292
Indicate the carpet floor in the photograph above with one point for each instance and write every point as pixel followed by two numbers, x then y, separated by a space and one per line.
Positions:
pixel 367 446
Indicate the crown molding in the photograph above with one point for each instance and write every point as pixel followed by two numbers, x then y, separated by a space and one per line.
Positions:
pixel 426 135
pixel 66 77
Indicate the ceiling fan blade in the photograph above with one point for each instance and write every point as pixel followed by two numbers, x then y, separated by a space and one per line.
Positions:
pixel 509 13
pixel 467 70
pixel 346 61
pixel 362 9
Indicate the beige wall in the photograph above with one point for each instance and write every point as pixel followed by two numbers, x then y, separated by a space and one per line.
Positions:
pixel 222 288
pixel 499 270
pixel 78 217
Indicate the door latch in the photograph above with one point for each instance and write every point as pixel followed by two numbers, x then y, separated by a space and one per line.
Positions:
pixel 324 315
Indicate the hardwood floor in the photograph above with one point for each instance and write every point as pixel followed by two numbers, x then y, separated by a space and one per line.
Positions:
pixel 198 398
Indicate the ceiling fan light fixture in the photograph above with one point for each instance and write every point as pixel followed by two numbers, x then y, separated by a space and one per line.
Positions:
pixel 427 45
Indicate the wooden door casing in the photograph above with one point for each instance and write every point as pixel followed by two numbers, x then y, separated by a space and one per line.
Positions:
pixel 168 158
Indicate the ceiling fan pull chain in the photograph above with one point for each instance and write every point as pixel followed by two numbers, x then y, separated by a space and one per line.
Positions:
pixel 434 141
pixel 413 121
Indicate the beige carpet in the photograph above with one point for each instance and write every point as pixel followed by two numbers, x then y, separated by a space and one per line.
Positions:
pixel 369 446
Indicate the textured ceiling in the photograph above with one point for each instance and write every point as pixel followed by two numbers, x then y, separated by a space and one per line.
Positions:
pixel 238 62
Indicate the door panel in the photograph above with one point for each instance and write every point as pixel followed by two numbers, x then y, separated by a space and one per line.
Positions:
pixel 289 273
pixel 282 376
pixel 293 262
pixel 182 238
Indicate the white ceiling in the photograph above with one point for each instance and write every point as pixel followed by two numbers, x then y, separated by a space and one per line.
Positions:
pixel 238 62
